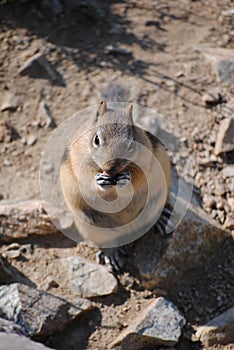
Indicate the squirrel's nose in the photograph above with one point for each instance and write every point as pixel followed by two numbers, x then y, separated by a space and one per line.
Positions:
pixel 113 167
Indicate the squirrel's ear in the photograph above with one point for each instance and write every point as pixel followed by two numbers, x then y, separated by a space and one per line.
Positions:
pixel 101 109
pixel 128 111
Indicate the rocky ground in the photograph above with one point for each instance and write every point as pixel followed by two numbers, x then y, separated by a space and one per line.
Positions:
pixel 58 57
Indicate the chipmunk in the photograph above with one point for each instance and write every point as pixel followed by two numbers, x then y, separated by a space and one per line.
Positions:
pixel 115 178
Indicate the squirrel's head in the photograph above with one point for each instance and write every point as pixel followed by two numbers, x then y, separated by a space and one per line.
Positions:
pixel 112 145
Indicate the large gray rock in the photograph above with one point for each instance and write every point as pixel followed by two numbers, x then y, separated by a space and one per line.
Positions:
pixel 222 63
pixel 219 330
pixel 14 341
pixel 225 137
pixel 167 262
pixel 38 313
pixel 86 278
pixel 158 324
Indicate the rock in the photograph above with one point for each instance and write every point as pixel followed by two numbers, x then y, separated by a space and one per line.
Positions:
pixel 86 278
pixel 26 250
pixel 206 162
pixel 220 189
pixel 10 327
pixel 225 137
pixel 212 98
pixel 232 185
pixel 12 254
pixel 165 262
pixel 230 201
pixel 179 74
pixel 7 162
pixel 32 139
pixel 221 216
pixel 159 324
pixel 38 66
pixel 15 250
pixel 222 63
pixel 47 168
pixel 38 313
pixel 220 205
pixel 229 222
pixel 51 284
pixel 14 341
pixel 11 103
pixel 44 116
pixel 114 50
pixel 209 201
pixel 228 13
pixel 20 219
pixel 228 171
pixel 220 330
pixel 7 132
pixel 170 84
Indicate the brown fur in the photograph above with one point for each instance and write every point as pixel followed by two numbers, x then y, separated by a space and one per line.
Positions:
pixel 81 165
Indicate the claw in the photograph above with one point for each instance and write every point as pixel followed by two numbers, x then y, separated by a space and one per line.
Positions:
pixel 165 221
pixel 114 258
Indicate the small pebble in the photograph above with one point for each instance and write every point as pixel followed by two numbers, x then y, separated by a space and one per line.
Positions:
pixel 228 171
pixel 11 103
pixel 179 74
pixel 32 139
pixel 114 50
pixel 52 284
pixel 219 205
pixel 220 189
pixel 221 216
pixel 214 214
pixel 232 185
pixel 209 201
pixel 26 249
pixel 47 168
pixel 12 254
pixel 231 202
pixel 229 223
pixel 7 162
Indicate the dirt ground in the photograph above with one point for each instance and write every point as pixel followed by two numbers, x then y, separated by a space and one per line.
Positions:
pixel 163 69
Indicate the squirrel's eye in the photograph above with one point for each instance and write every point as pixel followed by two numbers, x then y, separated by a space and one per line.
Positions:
pixel 96 141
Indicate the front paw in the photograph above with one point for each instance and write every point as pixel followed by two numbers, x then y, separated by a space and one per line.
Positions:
pixel 114 258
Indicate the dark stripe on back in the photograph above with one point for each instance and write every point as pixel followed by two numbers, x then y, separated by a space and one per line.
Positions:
pixel 153 139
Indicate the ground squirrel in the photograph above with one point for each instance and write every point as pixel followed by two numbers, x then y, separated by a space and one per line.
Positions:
pixel 111 161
